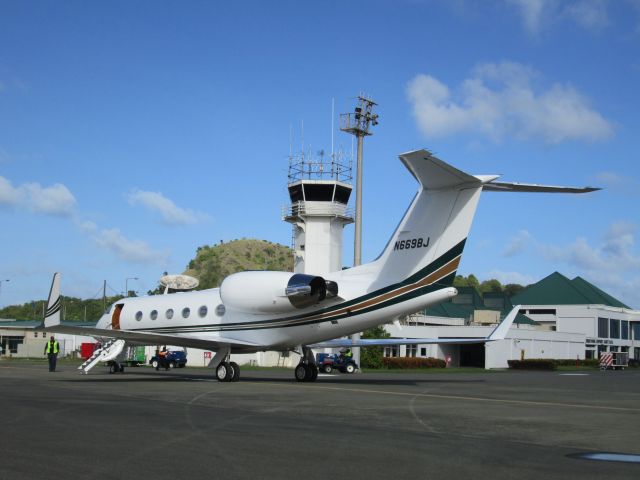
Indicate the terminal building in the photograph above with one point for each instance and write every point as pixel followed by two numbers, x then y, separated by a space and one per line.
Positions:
pixel 559 319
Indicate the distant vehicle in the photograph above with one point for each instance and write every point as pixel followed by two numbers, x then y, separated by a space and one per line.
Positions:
pixel 174 359
pixel 327 362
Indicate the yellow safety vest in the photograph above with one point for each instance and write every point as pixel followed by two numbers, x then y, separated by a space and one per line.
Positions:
pixel 52 347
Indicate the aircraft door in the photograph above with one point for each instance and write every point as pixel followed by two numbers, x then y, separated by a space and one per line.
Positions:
pixel 115 318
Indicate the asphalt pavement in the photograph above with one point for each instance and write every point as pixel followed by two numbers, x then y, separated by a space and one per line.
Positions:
pixel 445 425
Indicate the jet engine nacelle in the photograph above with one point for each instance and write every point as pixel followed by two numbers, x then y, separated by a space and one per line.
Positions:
pixel 274 292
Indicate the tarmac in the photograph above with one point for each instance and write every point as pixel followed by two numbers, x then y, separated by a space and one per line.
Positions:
pixel 442 425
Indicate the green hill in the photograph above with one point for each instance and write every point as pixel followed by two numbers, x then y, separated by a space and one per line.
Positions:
pixel 213 263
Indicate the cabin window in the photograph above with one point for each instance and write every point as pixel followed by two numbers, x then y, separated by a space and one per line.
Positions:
pixel 169 313
pixel 186 311
pixel 202 311
pixel 138 316
pixel 154 314
pixel 220 310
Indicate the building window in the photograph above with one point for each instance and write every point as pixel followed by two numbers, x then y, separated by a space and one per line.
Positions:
pixel 138 316
pixel 154 314
pixel 624 324
pixel 588 354
pixel 13 342
pixel 186 311
pixel 411 351
pixel 423 352
pixel 603 328
pixel 35 334
pixel 202 311
pixel 391 351
pixel 542 311
pixel 635 327
pixel 169 314
pixel 614 328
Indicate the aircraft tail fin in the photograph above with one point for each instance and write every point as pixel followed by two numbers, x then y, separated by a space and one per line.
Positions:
pixel 429 240
pixel 52 314
pixel 427 245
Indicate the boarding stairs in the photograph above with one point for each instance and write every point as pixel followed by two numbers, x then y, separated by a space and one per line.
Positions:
pixel 107 352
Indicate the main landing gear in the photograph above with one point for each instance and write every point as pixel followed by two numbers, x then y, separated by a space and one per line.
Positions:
pixel 226 371
pixel 307 370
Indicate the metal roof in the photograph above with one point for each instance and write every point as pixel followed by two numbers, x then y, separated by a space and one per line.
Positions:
pixel 556 289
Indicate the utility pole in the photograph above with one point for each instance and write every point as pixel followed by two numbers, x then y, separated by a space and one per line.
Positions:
pixel 104 296
pixel 357 124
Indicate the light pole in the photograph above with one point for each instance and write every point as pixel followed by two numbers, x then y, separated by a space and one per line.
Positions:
pixel 126 285
pixel 357 124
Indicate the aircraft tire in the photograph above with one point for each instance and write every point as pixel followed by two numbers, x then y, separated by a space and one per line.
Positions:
pixel 236 371
pixel 301 372
pixel 224 372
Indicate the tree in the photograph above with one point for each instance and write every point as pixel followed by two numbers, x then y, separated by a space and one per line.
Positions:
pixel 492 285
pixel 371 357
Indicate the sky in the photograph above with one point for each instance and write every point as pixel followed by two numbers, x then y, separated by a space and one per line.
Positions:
pixel 133 132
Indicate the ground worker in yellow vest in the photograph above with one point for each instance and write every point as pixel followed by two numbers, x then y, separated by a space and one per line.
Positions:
pixel 51 349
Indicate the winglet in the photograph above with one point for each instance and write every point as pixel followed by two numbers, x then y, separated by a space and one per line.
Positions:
pixel 52 315
pixel 503 327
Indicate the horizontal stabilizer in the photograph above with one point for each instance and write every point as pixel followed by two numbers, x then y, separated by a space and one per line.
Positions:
pixel 533 187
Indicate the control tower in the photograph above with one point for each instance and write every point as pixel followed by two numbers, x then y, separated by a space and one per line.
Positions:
pixel 319 190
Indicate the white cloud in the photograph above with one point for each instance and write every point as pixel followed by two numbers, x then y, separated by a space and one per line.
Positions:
pixel 55 200
pixel 517 244
pixel 170 212
pixel 538 15
pixel 590 14
pixel 506 278
pixel 498 100
pixel 136 251
pixel 531 12
pixel 613 265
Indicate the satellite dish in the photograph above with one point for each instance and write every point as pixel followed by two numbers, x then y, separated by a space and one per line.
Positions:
pixel 178 283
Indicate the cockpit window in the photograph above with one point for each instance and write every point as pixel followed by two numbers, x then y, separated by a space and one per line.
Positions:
pixel 186 311
pixel 108 309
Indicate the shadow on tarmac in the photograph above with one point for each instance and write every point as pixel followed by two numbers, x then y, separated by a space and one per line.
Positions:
pixel 268 377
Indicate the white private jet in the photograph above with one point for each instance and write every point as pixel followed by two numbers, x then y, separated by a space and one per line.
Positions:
pixel 283 311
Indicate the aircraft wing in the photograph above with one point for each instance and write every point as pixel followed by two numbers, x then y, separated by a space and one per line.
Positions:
pixel 145 338
pixel 498 333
